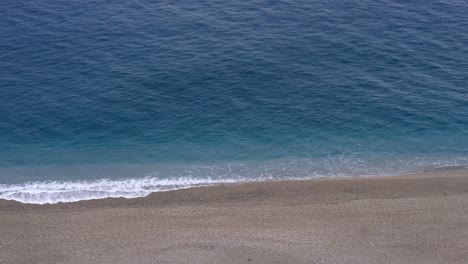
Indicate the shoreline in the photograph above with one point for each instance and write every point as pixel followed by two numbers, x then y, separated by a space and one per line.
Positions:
pixel 419 218
pixel 54 195
pixel 446 171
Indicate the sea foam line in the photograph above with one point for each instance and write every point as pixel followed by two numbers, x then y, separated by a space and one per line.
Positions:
pixel 50 192
pixel 55 192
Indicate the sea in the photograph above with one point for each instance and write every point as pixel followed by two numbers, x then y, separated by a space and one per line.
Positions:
pixel 123 98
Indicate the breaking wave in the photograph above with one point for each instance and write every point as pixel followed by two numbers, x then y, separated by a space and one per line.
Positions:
pixel 55 192
pixel 174 178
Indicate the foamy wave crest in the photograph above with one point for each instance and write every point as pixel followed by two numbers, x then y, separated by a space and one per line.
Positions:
pixel 55 192
pixel 184 176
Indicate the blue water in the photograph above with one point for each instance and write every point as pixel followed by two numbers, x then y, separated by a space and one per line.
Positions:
pixel 120 98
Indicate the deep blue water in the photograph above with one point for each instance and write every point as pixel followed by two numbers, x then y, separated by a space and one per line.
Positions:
pixel 229 90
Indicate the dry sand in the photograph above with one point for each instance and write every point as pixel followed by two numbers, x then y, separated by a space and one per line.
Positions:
pixel 411 219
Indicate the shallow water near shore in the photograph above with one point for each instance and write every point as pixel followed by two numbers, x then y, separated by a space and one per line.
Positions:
pixel 120 99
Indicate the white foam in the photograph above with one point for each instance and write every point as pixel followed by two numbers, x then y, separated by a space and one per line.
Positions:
pixel 55 192
pixel 173 178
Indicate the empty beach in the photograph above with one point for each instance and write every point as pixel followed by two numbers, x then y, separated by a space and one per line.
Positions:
pixel 409 219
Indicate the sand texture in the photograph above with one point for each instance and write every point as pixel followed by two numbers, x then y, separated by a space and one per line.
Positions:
pixel 410 219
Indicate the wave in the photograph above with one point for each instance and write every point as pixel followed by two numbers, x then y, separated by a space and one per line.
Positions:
pixel 173 178
pixel 73 191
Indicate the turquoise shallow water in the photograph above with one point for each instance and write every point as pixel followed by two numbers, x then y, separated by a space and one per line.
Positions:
pixel 121 98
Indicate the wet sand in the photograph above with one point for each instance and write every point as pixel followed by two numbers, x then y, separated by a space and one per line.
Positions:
pixel 408 219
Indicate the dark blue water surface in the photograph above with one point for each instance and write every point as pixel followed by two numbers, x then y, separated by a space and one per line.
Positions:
pixel 123 89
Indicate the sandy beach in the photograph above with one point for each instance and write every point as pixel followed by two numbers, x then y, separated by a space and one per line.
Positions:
pixel 408 219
